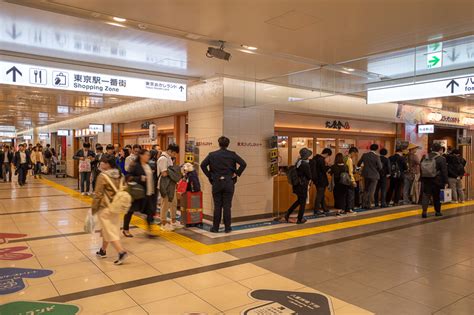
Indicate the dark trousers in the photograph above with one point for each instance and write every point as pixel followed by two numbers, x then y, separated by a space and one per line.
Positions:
pixel 37 169
pixel 381 192
pixel 7 169
pixel 394 190
pixel 145 206
pixel 431 191
pixel 222 193
pixel 22 171
pixel 341 200
pixel 85 181
pixel 369 191
pixel 320 202
pixel 302 195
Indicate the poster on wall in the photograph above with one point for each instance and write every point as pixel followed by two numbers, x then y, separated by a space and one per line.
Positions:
pixel 443 143
pixel 464 140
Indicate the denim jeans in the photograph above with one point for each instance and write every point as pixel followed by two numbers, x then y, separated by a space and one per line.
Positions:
pixel 85 178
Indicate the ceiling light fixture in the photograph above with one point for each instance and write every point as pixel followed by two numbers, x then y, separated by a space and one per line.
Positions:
pixel 119 19
pixel 142 26
pixel 349 69
pixel 249 47
pixel 115 24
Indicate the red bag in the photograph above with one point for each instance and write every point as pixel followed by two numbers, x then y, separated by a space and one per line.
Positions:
pixel 182 186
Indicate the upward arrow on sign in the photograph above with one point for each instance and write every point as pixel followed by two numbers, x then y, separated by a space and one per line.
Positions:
pixel 451 84
pixel 15 72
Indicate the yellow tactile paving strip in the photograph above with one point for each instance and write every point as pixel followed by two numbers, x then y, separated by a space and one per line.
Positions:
pixel 199 248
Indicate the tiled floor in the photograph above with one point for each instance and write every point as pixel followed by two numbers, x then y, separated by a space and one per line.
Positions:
pixel 422 269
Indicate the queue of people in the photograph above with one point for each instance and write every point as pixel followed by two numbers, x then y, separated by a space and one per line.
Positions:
pixel 375 180
pixel 27 158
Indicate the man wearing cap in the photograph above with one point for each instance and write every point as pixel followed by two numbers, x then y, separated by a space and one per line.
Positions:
pixel 301 189
pixel 412 175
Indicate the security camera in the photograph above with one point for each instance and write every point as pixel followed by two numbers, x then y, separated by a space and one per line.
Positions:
pixel 218 53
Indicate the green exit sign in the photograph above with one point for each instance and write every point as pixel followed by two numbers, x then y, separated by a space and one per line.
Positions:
pixel 434 55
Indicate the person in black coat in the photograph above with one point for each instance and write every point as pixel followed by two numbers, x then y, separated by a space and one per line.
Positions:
pixel 340 190
pixel 141 173
pixel 22 162
pixel 85 156
pixel 319 177
pixel 381 190
pixel 221 169
pixel 301 189
pixel 6 160
pixel 398 166
pixel 456 170
pixel 432 185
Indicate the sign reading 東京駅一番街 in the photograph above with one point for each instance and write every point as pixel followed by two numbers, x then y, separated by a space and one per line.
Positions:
pixel 448 87
pixel 93 82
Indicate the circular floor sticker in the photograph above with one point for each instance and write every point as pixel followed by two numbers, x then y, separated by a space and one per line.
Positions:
pixel 32 308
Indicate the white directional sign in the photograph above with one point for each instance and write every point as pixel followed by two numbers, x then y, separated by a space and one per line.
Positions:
pixel 72 80
pixel 448 87
pixel 96 128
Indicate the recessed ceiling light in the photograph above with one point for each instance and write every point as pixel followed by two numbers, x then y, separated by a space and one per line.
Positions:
pixel 349 69
pixel 193 36
pixel 119 19
pixel 249 47
pixel 142 26
pixel 115 24
pixel 95 14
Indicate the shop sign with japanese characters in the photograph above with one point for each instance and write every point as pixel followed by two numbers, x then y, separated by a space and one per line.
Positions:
pixel 92 82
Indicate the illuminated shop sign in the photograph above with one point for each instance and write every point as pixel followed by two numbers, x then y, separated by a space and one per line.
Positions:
pixel 38 76
pixel 62 132
pixel 425 128
pixel 96 128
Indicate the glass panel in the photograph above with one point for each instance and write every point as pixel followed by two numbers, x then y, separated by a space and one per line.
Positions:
pixel 283 154
pixel 299 143
pixel 330 143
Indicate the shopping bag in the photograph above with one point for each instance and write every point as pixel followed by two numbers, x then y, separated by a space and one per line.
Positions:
pixel 44 169
pixel 89 223
pixel 182 186
pixel 446 195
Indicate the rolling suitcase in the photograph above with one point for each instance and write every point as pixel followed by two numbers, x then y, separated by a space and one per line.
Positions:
pixel 191 209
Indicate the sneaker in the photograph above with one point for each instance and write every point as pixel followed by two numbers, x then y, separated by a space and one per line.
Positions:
pixel 438 214
pixel 177 225
pixel 83 193
pixel 350 212
pixel 121 258
pixel 101 253
pixel 303 221
pixel 167 228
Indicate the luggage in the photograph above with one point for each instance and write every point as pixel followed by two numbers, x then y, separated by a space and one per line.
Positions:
pixel 292 175
pixel 191 208
pixel 445 195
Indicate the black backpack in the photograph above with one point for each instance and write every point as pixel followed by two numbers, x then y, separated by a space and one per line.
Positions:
pixel 48 154
pixel 292 176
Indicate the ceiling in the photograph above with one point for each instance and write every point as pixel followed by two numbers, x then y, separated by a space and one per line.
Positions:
pixel 24 107
pixel 331 47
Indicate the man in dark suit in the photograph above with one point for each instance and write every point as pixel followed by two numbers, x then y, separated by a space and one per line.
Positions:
pixel 221 168
pixel 319 176
pixel 6 160
pixel 433 179
pixel 370 173
pixel 22 162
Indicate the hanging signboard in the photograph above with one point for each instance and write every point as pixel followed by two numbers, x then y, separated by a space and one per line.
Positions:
pixel 449 87
pixel 62 132
pixel 15 73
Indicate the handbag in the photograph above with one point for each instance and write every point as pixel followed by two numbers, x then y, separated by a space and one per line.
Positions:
pixel 446 195
pixel 84 166
pixel 182 186
pixel 135 190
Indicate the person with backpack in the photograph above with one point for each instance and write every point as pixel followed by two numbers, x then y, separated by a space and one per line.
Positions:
pixel 342 182
pixel 319 169
pixel 381 189
pixel 398 166
pixel 168 177
pixel 299 177
pixel 456 170
pixel 109 202
pixel 371 173
pixel 434 176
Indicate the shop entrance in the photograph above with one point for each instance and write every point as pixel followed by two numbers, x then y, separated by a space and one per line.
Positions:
pixel 447 136
pixel 289 144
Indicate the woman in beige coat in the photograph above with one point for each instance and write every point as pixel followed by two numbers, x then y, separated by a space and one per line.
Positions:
pixel 37 160
pixel 110 222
